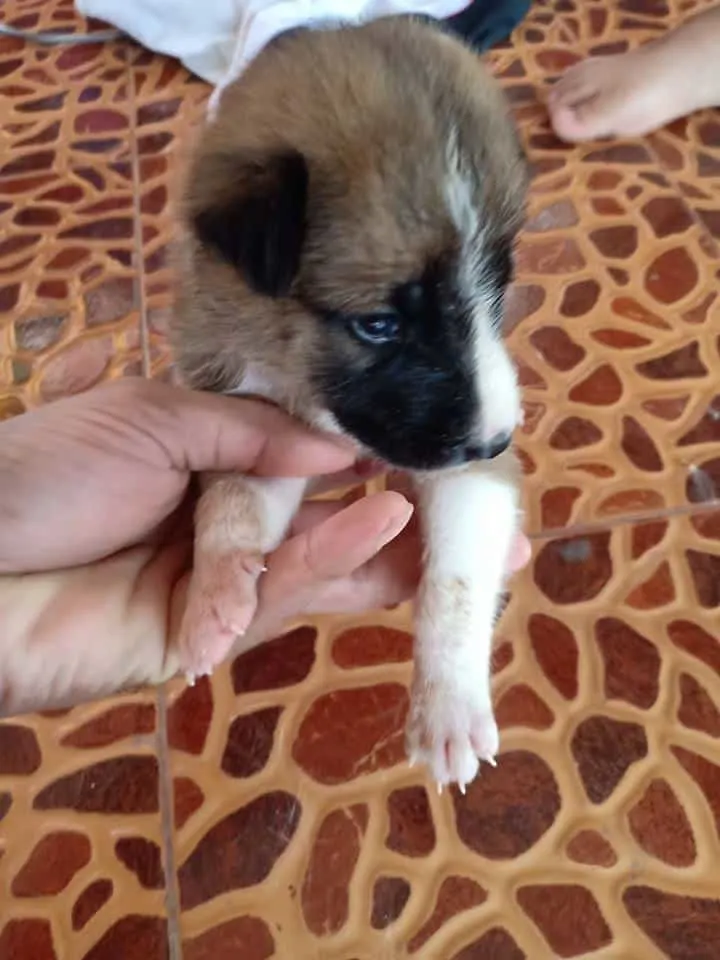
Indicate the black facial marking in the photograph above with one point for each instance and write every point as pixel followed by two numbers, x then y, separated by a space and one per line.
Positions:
pixel 413 402
pixel 261 230
pixel 410 297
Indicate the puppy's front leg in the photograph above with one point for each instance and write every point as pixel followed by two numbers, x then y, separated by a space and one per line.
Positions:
pixel 237 522
pixel 470 519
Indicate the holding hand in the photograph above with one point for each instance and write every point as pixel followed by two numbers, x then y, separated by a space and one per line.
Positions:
pixel 96 489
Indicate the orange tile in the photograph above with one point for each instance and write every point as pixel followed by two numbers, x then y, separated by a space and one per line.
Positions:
pixel 613 319
pixel 297 828
pixel 608 732
pixel 168 103
pixel 60 104
pixel 80 831
pixel 69 307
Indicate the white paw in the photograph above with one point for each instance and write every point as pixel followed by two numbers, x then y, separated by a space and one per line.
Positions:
pixel 221 603
pixel 450 729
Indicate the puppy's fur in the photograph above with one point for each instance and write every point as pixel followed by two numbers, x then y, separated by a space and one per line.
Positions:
pixel 349 221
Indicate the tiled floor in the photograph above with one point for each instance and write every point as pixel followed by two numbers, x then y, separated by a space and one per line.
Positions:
pixel 270 813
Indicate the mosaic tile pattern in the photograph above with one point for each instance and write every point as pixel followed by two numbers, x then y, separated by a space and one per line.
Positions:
pixel 269 812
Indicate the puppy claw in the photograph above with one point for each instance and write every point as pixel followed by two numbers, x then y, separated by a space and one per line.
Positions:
pixel 254 564
pixel 462 788
pixel 190 679
pixel 451 730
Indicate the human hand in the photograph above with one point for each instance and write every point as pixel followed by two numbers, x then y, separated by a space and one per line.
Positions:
pixel 132 601
pixel 93 478
pixel 102 471
pixel 340 557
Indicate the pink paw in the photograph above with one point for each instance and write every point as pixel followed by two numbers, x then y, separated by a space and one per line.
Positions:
pixel 221 603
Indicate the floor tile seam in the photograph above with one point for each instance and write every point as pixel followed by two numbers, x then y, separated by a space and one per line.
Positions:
pixel 167 830
pixel 587 527
pixel 165 788
pixel 138 244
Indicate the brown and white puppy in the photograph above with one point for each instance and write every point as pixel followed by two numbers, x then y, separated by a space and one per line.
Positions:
pixel 349 222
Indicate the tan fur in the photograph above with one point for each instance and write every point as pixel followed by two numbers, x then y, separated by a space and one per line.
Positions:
pixel 360 96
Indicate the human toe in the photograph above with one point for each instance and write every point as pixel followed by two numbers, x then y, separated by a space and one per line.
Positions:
pixel 578 83
pixel 575 123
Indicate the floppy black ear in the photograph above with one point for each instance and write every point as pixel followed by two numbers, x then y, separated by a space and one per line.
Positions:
pixel 260 227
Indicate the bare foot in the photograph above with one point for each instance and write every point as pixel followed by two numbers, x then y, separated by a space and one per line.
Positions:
pixel 634 93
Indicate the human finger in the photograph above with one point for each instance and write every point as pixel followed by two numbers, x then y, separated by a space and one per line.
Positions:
pixel 336 547
pixel 192 431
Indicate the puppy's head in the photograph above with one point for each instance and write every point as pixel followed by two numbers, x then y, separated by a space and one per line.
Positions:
pixel 350 222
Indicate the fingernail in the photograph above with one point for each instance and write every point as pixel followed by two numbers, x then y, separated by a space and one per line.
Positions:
pixel 396 525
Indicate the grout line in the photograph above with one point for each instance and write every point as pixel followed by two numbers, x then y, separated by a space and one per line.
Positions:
pixel 165 791
pixel 167 827
pixel 137 226
pixel 674 181
pixel 625 520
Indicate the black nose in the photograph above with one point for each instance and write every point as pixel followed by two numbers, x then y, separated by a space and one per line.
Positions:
pixel 488 451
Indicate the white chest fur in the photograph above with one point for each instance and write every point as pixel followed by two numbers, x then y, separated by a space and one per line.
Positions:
pixel 257 382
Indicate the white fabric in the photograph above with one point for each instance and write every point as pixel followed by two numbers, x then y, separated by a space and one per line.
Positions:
pixel 216 39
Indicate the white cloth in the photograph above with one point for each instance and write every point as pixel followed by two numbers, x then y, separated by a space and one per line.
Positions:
pixel 216 39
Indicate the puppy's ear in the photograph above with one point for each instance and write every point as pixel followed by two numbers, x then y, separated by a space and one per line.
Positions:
pixel 259 224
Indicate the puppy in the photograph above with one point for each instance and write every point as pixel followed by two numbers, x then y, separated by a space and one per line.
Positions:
pixel 348 227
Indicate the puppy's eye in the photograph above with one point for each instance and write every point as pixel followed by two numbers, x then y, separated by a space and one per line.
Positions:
pixel 376 328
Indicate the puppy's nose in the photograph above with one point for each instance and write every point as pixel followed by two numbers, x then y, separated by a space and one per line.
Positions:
pixel 488 451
